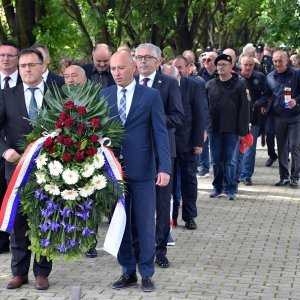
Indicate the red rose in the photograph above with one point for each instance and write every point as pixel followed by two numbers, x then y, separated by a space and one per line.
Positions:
pixel 80 129
pixel 81 110
pixel 68 142
pixel 91 151
pixel 63 116
pixel 48 142
pixel 79 156
pixel 67 157
pixel 69 122
pixel 52 150
pixel 69 105
pixel 94 138
pixel 79 144
pixel 95 122
pixel 58 124
pixel 60 139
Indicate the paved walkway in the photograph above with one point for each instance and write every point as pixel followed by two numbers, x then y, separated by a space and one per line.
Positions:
pixel 243 249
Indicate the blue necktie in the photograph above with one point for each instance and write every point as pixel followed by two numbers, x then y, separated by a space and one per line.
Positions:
pixel 6 84
pixel 122 107
pixel 33 109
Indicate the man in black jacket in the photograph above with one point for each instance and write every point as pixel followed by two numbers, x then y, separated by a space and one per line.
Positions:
pixel 229 119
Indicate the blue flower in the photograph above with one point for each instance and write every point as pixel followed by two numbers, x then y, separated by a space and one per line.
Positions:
pixel 44 227
pixel 72 243
pixel 87 232
pixel 40 195
pixel 63 224
pixel 54 226
pixel 84 215
pixel 70 227
pixel 51 205
pixel 88 205
pixel 65 212
pixel 62 248
pixel 45 243
pixel 46 213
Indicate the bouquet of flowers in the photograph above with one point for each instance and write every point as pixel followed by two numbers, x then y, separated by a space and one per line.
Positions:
pixel 69 188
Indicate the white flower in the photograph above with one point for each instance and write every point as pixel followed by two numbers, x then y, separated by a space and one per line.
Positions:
pixel 99 182
pixel 52 189
pixel 41 160
pixel 98 160
pixel 69 194
pixel 55 168
pixel 88 170
pixel 40 177
pixel 70 176
pixel 86 191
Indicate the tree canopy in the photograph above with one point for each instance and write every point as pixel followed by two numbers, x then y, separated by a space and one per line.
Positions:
pixel 72 27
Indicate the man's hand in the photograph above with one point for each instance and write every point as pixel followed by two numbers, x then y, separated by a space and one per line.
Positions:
pixel 162 179
pixel 197 150
pixel 292 103
pixel 11 156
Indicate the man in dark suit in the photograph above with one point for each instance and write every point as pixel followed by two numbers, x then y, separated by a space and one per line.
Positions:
pixel 16 104
pixel 99 71
pixel 9 77
pixel 48 76
pixel 141 112
pixel 147 58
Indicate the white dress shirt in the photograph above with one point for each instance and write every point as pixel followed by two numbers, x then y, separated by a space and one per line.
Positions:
pixel 129 95
pixel 38 94
pixel 13 79
pixel 150 81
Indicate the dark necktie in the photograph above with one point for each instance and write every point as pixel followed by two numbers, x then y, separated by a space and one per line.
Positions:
pixel 33 109
pixel 145 81
pixel 122 108
pixel 6 84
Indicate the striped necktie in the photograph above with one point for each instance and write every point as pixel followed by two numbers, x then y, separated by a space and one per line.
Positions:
pixel 33 109
pixel 122 107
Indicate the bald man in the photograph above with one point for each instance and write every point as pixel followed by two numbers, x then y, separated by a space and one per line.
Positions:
pixel 140 110
pixel 74 75
pixel 99 71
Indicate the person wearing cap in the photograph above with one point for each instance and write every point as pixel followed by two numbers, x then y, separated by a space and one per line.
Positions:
pixel 229 119
pixel 264 60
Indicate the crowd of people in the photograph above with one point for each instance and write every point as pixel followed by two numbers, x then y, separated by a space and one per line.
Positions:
pixel 179 117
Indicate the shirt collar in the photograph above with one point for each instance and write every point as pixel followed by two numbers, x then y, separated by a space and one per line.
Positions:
pixel 13 76
pixel 40 86
pixel 151 77
pixel 45 75
pixel 128 88
pixel 94 70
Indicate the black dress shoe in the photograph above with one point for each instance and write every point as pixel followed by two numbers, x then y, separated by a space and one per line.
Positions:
pixel 190 224
pixel 162 261
pixel 91 253
pixel 247 182
pixel 16 282
pixel 294 183
pixel 270 161
pixel 147 284
pixel 283 182
pixel 125 281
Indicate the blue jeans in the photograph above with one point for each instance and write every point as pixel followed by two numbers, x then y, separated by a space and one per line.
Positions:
pixel 224 149
pixel 204 156
pixel 248 162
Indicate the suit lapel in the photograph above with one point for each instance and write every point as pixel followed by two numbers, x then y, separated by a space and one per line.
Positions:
pixel 157 81
pixel 135 100
pixel 113 102
pixel 21 100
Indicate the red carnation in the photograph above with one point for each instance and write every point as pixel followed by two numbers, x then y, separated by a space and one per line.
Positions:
pixel 80 129
pixel 79 156
pixel 67 157
pixel 69 105
pixel 68 142
pixel 95 122
pixel 52 150
pixel 60 139
pixel 58 124
pixel 91 151
pixel 94 138
pixel 69 122
pixel 63 116
pixel 48 142
pixel 81 110
pixel 79 144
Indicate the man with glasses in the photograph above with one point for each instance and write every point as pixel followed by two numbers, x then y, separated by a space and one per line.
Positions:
pixel 147 58
pixel 9 76
pixel 286 117
pixel 17 106
pixel 229 119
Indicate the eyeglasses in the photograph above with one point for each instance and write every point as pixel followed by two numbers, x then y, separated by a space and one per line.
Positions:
pixel 145 57
pixel 206 59
pixel 30 65
pixel 223 65
pixel 8 55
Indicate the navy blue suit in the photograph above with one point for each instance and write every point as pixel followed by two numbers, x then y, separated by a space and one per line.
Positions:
pixel 188 136
pixel 173 109
pixel 145 135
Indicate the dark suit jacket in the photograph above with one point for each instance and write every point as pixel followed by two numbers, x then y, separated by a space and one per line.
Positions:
pixel 171 98
pixel 12 113
pixel 19 79
pixel 191 133
pixel 52 77
pixel 145 131
pixel 88 68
